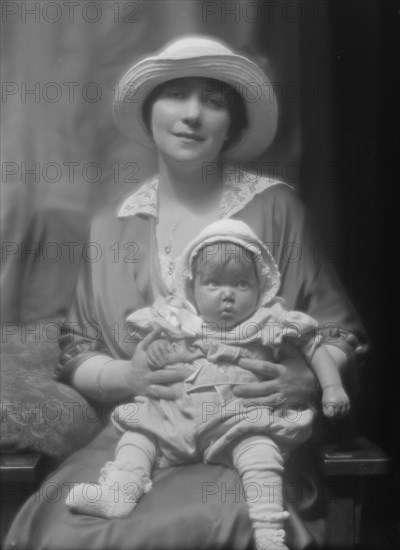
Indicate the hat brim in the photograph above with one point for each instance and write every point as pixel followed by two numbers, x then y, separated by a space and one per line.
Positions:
pixel 241 73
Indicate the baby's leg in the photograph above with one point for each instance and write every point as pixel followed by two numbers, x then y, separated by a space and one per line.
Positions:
pixel 260 465
pixel 121 483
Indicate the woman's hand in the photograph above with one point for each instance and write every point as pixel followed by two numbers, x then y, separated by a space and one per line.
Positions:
pixel 290 381
pixel 361 350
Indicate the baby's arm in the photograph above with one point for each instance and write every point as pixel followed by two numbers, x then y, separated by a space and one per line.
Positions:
pixel 335 402
pixel 163 352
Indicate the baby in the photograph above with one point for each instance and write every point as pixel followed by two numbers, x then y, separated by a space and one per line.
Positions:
pixel 225 312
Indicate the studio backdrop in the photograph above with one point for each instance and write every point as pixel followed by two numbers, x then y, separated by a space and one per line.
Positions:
pixel 62 154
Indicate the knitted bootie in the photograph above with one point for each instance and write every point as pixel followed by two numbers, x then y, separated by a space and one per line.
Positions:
pixel 269 535
pixel 116 495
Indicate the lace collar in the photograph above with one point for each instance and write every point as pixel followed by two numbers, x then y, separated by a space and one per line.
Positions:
pixel 239 188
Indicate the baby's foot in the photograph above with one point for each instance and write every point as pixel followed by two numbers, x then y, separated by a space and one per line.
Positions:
pixel 116 495
pixel 265 543
pixel 270 535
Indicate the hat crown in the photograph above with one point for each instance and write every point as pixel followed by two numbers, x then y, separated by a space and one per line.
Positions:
pixel 185 48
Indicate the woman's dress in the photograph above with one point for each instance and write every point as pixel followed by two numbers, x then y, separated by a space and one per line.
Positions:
pixel 195 505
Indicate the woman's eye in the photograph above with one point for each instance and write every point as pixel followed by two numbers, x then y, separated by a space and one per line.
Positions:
pixel 215 102
pixel 174 93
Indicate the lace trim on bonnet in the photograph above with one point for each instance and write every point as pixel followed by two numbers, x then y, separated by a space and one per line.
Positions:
pixel 239 188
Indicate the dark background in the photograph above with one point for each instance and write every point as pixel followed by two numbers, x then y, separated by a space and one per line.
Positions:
pixel 355 142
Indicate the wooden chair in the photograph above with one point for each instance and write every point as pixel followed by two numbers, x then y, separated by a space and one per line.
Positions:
pixel 350 474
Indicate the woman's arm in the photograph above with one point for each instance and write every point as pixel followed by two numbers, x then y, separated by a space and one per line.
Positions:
pixel 96 359
pixel 310 283
pixel 102 379
pixel 111 380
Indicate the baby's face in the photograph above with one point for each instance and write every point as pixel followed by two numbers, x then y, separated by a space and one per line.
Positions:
pixel 227 295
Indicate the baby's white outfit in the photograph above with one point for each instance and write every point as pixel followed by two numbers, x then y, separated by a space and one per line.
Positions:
pixel 209 422
pixel 205 421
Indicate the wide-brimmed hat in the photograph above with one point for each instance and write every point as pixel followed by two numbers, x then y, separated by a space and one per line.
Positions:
pixel 239 233
pixel 200 56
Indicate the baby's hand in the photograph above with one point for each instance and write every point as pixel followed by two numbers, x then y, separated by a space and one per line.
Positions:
pixel 161 352
pixel 158 353
pixel 335 402
pixel 222 352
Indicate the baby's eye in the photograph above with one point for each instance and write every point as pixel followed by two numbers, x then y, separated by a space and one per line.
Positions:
pixel 243 285
pixel 213 283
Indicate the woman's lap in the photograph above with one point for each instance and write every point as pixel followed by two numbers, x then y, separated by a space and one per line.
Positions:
pixel 189 507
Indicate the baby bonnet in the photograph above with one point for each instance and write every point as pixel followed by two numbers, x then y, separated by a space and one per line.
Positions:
pixel 235 232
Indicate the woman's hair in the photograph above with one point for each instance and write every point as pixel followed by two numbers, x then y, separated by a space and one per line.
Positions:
pixel 234 102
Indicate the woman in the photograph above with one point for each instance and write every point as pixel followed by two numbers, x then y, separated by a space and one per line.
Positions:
pixel 198 105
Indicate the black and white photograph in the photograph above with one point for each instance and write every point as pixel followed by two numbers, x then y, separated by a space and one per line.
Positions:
pixel 198 275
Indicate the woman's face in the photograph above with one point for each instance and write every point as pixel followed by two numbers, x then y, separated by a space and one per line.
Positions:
pixel 190 120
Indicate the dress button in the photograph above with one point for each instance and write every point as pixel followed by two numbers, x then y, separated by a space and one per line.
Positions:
pixel 221 370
